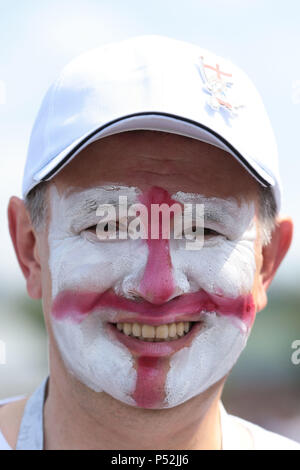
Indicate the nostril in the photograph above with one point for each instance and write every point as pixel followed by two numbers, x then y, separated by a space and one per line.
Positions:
pixel 176 297
pixel 134 296
pixel 153 298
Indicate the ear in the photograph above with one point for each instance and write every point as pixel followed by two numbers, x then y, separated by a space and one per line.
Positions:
pixel 273 254
pixel 25 244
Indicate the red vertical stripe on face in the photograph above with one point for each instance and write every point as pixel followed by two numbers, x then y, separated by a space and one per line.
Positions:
pixel 151 379
pixel 157 284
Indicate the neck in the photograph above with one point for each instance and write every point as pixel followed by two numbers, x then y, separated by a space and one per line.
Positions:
pixel 78 418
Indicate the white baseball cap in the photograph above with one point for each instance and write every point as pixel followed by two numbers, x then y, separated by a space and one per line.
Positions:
pixel 152 83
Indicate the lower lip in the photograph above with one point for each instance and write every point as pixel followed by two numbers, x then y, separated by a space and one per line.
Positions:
pixel 158 349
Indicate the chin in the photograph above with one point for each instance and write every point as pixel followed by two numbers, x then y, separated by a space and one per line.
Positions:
pixel 102 363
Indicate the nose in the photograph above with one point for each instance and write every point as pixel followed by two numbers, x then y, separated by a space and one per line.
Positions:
pixel 157 284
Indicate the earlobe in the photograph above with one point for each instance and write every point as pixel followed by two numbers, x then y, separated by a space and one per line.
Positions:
pixel 275 251
pixel 25 244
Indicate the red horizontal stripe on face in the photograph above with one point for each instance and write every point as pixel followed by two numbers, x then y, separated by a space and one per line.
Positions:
pixel 77 305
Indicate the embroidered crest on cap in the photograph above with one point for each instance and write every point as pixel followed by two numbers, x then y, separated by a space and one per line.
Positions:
pixel 219 84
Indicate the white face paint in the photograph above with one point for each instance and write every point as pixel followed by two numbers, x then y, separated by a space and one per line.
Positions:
pixel 210 357
pixel 226 263
pixel 78 262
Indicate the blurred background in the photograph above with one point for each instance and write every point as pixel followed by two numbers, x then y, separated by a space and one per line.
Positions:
pixel 263 37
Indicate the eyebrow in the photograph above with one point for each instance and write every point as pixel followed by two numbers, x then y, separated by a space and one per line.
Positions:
pixel 213 216
pixel 214 207
pixel 90 206
pixel 223 212
pixel 86 202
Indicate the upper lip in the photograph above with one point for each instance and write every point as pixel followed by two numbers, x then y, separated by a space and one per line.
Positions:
pixel 114 308
pixel 187 307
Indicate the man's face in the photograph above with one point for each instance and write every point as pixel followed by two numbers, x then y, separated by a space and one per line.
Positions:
pixel 148 321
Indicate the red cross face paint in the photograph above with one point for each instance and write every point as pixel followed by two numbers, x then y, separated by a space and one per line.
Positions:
pixel 194 309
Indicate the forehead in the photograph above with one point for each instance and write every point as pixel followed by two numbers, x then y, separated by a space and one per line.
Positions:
pixel 143 159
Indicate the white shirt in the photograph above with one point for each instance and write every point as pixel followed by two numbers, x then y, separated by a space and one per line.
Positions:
pixel 3 443
pixel 261 438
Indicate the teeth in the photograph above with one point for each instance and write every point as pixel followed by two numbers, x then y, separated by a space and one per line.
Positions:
pixel 127 328
pixel 167 332
pixel 180 329
pixel 162 332
pixel 136 329
pixel 172 330
pixel 148 331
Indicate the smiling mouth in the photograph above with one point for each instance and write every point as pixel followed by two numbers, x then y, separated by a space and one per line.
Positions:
pixel 160 333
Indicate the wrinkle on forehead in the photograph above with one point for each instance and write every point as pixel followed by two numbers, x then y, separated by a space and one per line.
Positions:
pixel 110 193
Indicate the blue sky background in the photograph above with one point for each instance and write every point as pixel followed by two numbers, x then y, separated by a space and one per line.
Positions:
pixel 39 36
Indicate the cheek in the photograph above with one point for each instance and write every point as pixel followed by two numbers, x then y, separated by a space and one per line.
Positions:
pixel 96 359
pixel 78 263
pixel 226 269
pixel 88 352
pixel 209 359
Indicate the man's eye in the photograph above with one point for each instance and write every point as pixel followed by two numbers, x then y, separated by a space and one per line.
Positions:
pixel 116 227
pixel 105 227
pixel 91 229
pixel 105 230
pixel 208 233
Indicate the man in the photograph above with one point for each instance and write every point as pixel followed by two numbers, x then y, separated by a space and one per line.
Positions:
pixel 144 329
